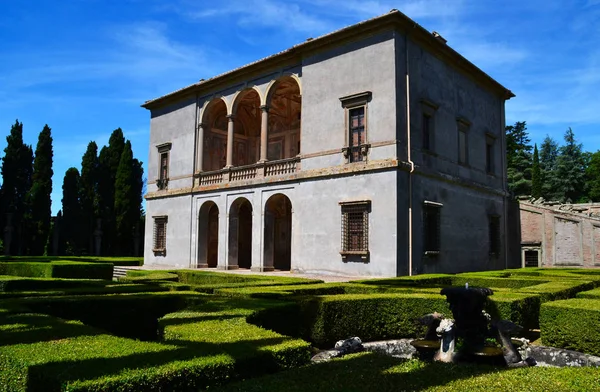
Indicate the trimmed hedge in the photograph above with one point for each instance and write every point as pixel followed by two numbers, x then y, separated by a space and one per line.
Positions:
pixel 117 288
pixel 522 309
pixel 120 261
pixel 58 269
pixel 205 347
pixel 572 324
pixel 437 280
pixel 16 283
pixel 558 289
pixel 489 280
pixel 327 319
pixel 129 315
pixel 591 294
pixel 154 276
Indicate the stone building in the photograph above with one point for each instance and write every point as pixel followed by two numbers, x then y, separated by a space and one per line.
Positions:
pixel 560 235
pixel 374 150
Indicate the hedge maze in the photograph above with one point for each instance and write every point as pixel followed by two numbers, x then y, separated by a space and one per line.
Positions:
pixel 66 326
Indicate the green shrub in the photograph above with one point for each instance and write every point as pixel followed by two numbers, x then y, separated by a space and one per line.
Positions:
pixel 149 277
pixel 481 280
pixel 437 280
pixel 15 283
pixel 522 309
pixel 119 261
pixel 572 324
pixel 58 269
pixel 115 288
pixel 558 289
pixel 324 320
pixel 591 294
pixel 129 315
pixel 209 279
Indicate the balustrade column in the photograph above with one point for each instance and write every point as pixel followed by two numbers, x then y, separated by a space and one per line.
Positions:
pixel 230 131
pixel 200 147
pixel 264 132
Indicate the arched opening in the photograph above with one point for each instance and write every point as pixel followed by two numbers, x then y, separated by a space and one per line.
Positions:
pixel 285 104
pixel 208 235
pixel 240 234
pixel 246 138
pixel 215 121
pixel 278 233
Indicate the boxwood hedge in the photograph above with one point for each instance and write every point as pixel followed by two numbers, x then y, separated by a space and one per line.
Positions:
pixel 58 269
pixel 572 324
pixel 591 294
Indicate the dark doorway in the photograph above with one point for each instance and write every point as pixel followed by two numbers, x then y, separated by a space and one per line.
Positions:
pixel 240 234
pixel 208 235
pixel 278 233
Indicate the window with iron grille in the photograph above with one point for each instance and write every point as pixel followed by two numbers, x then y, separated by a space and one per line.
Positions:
pixel 160 235
pixel 463 141
pixel 355 227
pixel 494 232
pixel 431 227
pixel 355 109
pixel 532 258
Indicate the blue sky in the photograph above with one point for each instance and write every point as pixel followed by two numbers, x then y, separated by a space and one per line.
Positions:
pixel 85 66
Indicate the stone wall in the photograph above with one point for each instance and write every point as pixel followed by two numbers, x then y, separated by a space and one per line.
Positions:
pixel 563 235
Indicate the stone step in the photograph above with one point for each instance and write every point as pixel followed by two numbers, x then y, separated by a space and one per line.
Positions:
pixel 119 272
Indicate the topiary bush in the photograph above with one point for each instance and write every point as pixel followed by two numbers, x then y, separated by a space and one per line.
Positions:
pixel 572 324
pixel 58 269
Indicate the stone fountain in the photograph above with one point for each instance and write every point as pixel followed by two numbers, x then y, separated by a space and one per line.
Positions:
pixel 465 336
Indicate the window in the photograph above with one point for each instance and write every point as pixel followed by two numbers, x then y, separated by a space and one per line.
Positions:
pixel 431 227
pixel 463 142
pixel 426 131
pixel 163 165
pixel 160 235
pixel 531 258
pixel 356 111
pixel 428 110
pixel 355 228
pixel 489 154
pixel 494 233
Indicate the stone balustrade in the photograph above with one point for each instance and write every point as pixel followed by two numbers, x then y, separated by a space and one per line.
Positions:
pixel 280 167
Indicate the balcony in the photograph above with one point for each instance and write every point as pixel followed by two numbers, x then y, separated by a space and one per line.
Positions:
pixel 278 168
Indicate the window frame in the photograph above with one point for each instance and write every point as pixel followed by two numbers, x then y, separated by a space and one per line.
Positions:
pixel 494 235
pixel 350 103
pixel 428 111
pixel 159 247
pixel 432 244
pixel 361 209
pixel 162 180
pixel 463 126
pixel 490 154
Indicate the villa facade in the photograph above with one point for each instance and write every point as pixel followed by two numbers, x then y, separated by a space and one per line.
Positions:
pixel 375 150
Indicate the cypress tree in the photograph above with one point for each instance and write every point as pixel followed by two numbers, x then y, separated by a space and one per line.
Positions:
pixel 570 170
pixel 41 189
pixel 548 156
pixel 126 206
pixel 109 159
pixel 70 225
pixel 17 168
pixel 89 189
pixel 593 177
pixel 536 175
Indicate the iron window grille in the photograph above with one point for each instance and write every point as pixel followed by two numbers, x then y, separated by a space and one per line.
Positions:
pixel 494 232
pixel 431 228
pixel 355 228
pixel 160 235
pixel 357 138
pixel 531 258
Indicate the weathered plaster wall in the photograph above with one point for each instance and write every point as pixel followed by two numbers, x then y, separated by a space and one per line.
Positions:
pixel 365 65
pixel 464 232
pixel 178 231
pixel 564 238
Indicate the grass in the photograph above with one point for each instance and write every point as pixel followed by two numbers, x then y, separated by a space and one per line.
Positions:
pixel 378 373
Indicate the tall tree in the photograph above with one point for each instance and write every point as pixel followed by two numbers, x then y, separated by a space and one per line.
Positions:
pixel 593 177
pixel 127 208
pixel 17 168
pixel 70 225
pixel 548 156
pixel 536 175
pixel 570 169
pixel 109 159
pixel 40 202
pixel 88 196
pixel 519 159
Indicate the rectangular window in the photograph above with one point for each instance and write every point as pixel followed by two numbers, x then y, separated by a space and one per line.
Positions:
pixel 489 153
pixel 164 152
pixel 426 128
pixel 355 227
pixel 431 227
pixel 494 232
pixel 160 235
pixel 463 141
pixel 357 133
pixel 532 258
